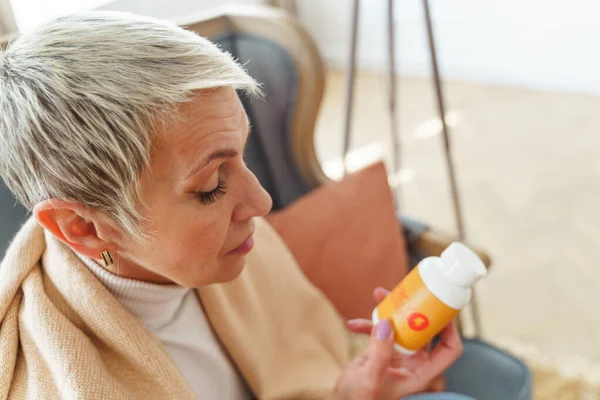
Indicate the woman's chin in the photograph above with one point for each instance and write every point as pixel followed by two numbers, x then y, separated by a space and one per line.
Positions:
pixel 226 270
pixel 231 268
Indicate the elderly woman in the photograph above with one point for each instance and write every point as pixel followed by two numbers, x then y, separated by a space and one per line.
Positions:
pixel 136 277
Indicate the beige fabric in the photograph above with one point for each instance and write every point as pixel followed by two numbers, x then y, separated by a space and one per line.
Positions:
pixel 62 335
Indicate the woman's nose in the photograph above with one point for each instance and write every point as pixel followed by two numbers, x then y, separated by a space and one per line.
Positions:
pixel 254 201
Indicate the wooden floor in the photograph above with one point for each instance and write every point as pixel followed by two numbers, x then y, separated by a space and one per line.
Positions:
pixel 528 163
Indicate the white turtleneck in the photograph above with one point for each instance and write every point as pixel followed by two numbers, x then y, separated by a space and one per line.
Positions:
pixel 175 316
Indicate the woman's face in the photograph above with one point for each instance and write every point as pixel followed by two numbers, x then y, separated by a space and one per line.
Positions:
pixel 200 196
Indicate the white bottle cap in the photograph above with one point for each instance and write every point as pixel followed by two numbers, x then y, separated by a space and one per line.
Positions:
pixel 461 265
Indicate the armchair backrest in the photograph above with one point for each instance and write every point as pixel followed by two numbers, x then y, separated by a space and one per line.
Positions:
pixel 12 216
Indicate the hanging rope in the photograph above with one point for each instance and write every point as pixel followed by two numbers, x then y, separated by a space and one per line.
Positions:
pixel 456 202
pixel 393 109
pixel 350 85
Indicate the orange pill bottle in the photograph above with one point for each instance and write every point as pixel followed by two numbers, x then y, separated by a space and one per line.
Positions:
pixel 430 297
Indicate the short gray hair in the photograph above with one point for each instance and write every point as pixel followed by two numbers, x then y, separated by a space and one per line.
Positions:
pixel 79 100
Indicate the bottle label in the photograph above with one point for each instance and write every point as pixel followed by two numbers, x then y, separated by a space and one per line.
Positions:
pixel 416 314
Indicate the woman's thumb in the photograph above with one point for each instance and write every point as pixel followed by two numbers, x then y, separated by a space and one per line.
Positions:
pixel 381 349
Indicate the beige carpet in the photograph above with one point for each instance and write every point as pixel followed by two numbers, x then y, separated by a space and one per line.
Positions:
pixel 564 378
pixel 551 385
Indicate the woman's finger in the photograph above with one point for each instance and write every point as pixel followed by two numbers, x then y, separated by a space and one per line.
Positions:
pixel 359 325
pixel 400 373
pixel 449 340
pixel 416 361
pixel 379 294
pixel 445 353
pixel 380 351
pixel 438 384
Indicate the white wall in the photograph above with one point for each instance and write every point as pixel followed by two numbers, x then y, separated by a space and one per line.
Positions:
pixel 548 44
pixel 171 9
pixel 30 13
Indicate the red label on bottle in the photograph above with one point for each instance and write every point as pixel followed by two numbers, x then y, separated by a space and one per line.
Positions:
pixel 418 321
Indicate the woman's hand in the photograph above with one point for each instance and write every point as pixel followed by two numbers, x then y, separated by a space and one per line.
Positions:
pixel 364 326
pixel 381 373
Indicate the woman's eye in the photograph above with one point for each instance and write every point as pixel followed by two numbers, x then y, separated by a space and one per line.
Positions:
pixel 207 198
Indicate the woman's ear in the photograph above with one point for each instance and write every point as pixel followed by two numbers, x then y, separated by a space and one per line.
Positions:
pixel 75 226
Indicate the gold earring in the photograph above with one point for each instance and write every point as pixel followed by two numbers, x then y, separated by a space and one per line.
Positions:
pixel 108 260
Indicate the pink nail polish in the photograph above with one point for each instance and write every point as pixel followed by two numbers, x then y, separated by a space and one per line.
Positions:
pixel 383 330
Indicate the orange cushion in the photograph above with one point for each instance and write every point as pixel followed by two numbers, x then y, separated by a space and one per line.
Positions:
pixel 347 240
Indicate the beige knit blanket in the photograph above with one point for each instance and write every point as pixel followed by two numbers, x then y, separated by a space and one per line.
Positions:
pixel 63 335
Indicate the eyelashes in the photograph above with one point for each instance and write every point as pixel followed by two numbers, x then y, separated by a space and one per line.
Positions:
pixel 207 198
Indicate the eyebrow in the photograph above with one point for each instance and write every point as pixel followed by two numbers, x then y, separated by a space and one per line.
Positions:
pixel 217 155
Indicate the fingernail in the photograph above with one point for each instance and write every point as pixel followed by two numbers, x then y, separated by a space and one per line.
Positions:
pixel 352 322
pixel 383 330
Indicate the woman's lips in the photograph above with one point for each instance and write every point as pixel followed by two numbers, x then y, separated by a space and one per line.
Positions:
pixel 245 247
